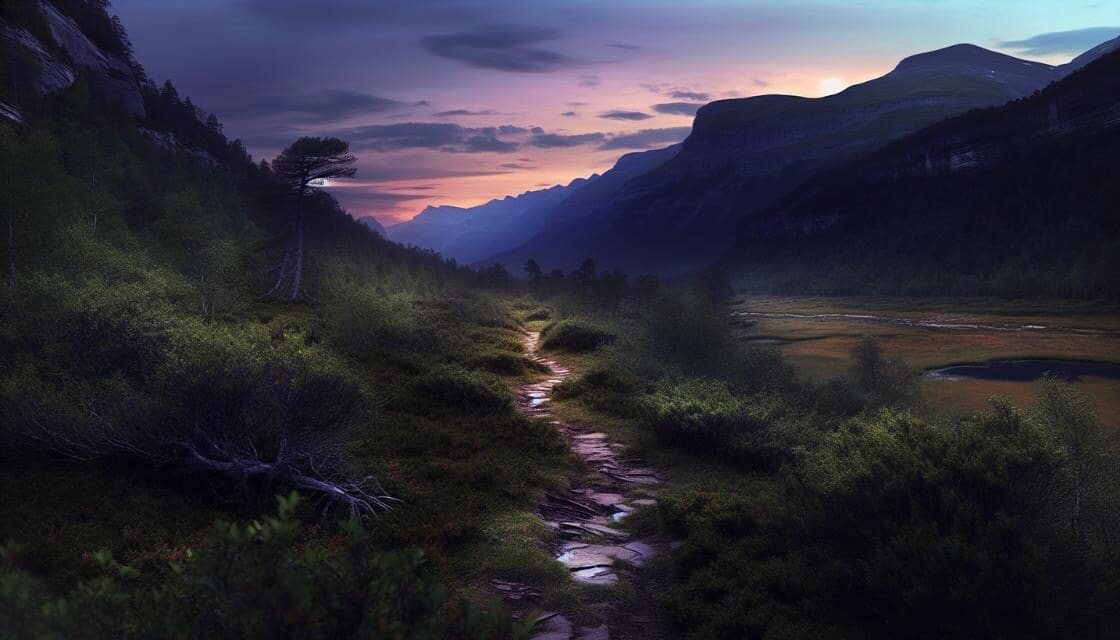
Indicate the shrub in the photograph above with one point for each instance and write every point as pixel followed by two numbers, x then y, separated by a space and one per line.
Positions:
pixel 504 363
pixel 884 382
pixel 364 318
pixel 251 581
pixel 597 380
pixel 604 389
pixel 575 335
pixel 869 535
pixel 538 314
pixel 458 389
pixel 704 416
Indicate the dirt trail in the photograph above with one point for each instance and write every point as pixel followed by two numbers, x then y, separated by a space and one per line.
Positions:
pixel 585 517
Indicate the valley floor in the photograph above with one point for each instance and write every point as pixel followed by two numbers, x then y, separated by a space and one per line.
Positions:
pixel 816 336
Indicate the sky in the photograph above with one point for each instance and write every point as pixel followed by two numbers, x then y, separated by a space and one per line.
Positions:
pixel 457 102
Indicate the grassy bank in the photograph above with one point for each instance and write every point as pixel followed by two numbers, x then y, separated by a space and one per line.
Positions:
pixel 815 336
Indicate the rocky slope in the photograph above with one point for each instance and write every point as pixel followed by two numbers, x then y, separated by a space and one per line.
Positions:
pixel 42 36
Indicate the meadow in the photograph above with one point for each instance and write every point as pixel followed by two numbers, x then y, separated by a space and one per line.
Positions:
pixel 816 335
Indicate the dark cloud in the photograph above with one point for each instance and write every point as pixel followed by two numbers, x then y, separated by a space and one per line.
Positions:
pixel 553 140
pixel 436 136
pixel 502 48
pixel 646 138
pixel 623 46
pixel 684 94
pixel 399 167
pixel 569 114
pixel 348 14
pixel 360 197
pixel 759 82
pixel 677 108
pixel 320 107
pixel 625 115
pixel 577 104
pixel 1059 42
pixel 465 112
pixel 589 81
pixel 518 166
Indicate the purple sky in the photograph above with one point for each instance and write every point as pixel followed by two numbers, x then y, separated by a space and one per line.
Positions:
pixel 455 102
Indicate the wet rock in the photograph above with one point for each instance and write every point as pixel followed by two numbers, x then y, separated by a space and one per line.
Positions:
pixel 577 556
pixel 600 632
pixel 600 576
pixel 606 499
pixel 552 627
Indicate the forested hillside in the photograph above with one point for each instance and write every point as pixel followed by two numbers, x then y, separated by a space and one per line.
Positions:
pixel 153 379
pixel 1010 201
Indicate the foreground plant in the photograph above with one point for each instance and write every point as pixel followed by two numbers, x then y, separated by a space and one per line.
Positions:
pixel 260 580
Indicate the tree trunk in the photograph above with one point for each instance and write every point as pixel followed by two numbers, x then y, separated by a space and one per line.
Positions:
pixel 298 268
pixel 11 252
pixel 93 207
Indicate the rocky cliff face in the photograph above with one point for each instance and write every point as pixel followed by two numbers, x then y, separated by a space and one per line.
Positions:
pixel 62 50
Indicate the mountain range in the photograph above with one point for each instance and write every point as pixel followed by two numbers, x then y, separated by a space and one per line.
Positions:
pixel 677 210
pixel 1016 200
pixel 472 234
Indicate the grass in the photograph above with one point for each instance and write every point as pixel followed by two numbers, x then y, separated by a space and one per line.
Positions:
pixel 444 438
pixel 820 349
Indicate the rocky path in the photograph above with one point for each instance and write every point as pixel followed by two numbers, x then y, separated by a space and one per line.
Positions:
pixel 585 517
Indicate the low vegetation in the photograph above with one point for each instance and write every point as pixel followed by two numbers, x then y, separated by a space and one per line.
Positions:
pixel 575 334
pixel 150 387
pixel 844 507
pixel 264 579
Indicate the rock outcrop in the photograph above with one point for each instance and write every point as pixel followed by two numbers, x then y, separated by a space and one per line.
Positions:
pixel 112 77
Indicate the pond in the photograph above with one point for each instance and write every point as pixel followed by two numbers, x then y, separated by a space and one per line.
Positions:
pixel 1026 370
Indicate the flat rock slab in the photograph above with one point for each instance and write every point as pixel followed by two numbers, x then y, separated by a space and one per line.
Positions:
pixel 601 576
pixel 600 632
pixel 553 627
pixel 578 556
pixel 606 499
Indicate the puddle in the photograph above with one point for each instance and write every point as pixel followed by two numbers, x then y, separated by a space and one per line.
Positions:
pixel 1025 370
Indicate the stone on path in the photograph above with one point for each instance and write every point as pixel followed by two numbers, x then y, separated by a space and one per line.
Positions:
pixel 579 514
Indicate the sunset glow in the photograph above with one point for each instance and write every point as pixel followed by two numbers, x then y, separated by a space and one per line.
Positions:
pixel 455 103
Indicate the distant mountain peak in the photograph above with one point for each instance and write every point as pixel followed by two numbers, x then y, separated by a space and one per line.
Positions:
pixel 966 55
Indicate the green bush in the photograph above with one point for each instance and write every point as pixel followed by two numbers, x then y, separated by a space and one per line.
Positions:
pixel 504 363
pixel 706 417
pixel 575 334
pixel 600 379
pixel 870 536
pixel 538 314
pixel 453 388
pixel 683 335
pixel 604 389
pixel 259 580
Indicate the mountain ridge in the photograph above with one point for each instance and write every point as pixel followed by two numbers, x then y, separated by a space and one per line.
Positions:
pixel 1001 201
pixel 744 153
pixel 471 234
